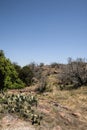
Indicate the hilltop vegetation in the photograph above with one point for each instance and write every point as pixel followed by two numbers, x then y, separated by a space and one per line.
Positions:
pixel 71 75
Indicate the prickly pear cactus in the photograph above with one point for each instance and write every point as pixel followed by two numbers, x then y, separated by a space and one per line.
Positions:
pixel 21 104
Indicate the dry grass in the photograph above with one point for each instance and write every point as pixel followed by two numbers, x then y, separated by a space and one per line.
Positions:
pixel 65 109
pixel 61 110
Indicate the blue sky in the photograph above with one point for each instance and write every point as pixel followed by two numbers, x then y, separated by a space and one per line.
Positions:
pixel 43 30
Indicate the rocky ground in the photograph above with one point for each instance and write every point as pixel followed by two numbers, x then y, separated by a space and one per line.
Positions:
pixel 10 122
pixel 62 110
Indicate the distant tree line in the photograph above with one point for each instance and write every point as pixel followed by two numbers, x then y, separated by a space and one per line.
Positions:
pixel 71 75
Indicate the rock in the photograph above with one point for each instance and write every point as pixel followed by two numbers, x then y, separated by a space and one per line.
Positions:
pixel 13 123
pixel 57 128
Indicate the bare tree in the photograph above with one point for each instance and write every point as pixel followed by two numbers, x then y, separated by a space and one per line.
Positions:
pixel 75 72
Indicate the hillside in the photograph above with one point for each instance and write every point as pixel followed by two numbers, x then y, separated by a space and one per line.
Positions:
pixel 63 110
pixel 59 109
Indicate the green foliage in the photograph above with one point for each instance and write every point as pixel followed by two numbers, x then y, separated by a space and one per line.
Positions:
pixel 26 75
pixel 55 65
pixel 21 105
pixel 41 64
pixel 8 75
pixel 17 67
pixel 1 53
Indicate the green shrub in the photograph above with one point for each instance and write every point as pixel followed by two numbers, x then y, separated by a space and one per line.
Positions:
pixel 8 75
pixel 26 75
